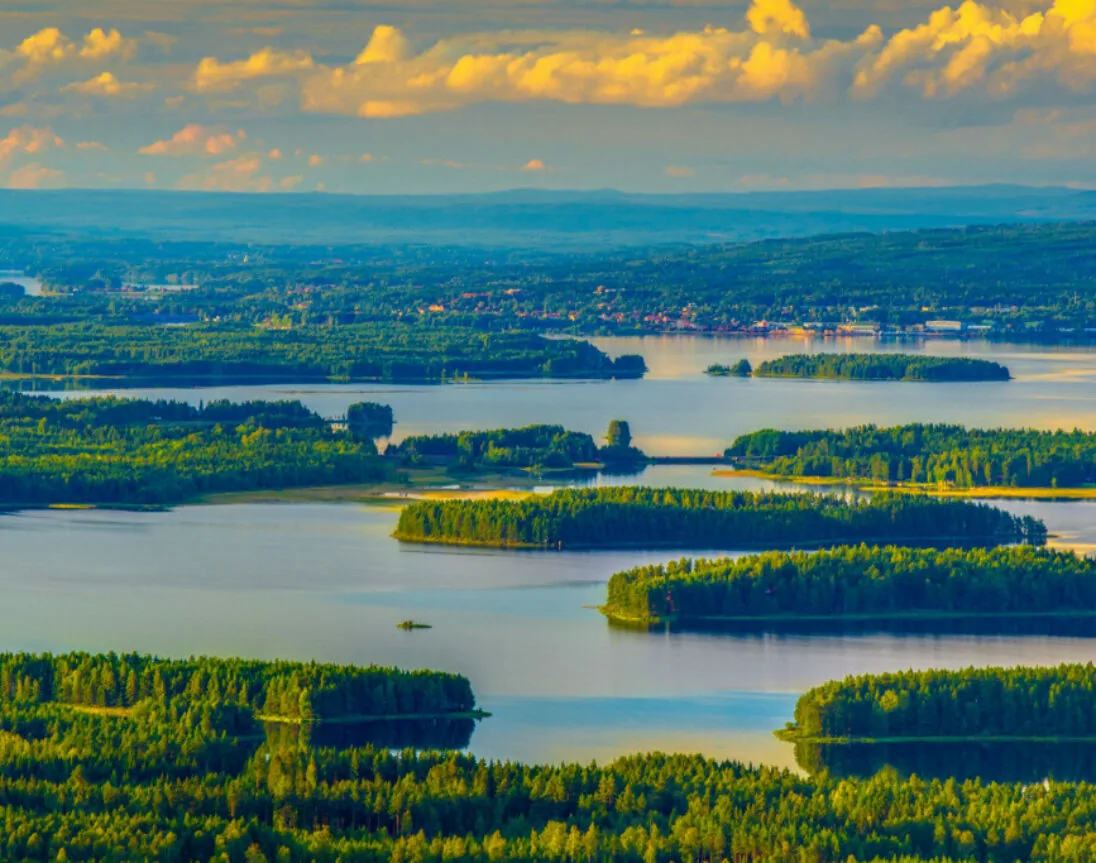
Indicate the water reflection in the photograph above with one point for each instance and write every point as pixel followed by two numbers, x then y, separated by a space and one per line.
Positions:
pixel 991 761
pixel 1065 625
pixel 439 733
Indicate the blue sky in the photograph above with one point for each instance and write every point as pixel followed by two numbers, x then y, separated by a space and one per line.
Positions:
pixel 464 95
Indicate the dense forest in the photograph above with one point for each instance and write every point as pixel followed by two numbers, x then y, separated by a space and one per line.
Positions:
pixel 286 690
pixel 919 453
pixel 859 580
pixel 619 517
pixel 397 352
pixel 130 451
pixel 882 367
pixel 113 758
pixel 533 446
pixel 538 446
pixel 973 702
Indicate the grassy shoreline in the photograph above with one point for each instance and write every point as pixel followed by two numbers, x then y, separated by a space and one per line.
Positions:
pixel 981 491
pixel 896 616
pixel 277 719
pixel 794 735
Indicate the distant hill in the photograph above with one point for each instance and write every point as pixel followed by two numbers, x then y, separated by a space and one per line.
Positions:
pixel 533 218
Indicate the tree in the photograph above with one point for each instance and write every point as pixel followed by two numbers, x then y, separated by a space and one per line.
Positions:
pixel 619 434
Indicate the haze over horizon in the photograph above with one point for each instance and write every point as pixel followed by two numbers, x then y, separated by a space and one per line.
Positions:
pixel 457 96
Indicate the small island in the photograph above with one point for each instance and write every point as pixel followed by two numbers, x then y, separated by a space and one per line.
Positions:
pixel 409 625
pixel 631 517
pixel 859 583
pixel 542 449
pixel 882 367
pixel 741 369
pixel 971 704
pixel 927 457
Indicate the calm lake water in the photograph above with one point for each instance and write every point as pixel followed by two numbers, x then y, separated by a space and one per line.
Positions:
pixel 325 581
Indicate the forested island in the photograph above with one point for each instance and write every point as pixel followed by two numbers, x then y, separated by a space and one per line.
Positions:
pixel 922 454
pixel 374 351
pixel 624 517
pixel 888 583
pixel 882 367
pixel 1029 703
pixel 541 447
pixel 123 758
pixel 136 452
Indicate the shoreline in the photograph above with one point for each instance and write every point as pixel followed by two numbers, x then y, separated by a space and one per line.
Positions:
pixel 793 735
pixel 865 617
pixel 979 491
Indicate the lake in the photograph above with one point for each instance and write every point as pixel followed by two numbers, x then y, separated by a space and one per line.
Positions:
pixel 325 581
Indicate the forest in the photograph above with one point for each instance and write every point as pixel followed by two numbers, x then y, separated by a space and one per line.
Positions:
pixel 388 352
pixel 138 452
pixel 1033 702
pixel 881 582
pixel 549 447
pixel 882 367
pixel 622 517
pixel 179 772
pixel 934 454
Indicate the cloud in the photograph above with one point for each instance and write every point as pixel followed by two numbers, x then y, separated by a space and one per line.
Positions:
pixel 92 145
pixel 99 44
pixel 45 46
pixel 679 172
pixel 534 165
pixel 27 140
pixel 315 160
pixel 34 176
pixel 213 76
pixel 194 140
pixel 107 84
pixel 778 16
pixel 773 55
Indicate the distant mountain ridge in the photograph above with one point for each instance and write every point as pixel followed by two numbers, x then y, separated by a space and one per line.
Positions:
pixel 534 218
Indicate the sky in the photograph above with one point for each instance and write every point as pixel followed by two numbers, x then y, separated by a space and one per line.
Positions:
pixel 436 96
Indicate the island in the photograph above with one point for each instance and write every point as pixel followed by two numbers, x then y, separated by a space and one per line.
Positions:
pixel 631 517
pixel 135 452
pixel 539 448
pixel 859 582
pixel 741 369
pixel 971 704
pixel 925 456
pixel 882 367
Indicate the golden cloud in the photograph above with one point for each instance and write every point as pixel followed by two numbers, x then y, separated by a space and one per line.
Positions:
pixel 241 174
pixel 194 140
pixel 34 176
pixel 773 55
pixel 107 84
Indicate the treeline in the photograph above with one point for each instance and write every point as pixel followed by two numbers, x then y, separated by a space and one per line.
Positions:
pixel 921 453
pixel 618 517
pixel 859 580
pixel 547 446
pixel 396 352
pixel 131 451
pixel 882 367
pixel 973 702
pixel 160 784
pixel 287 690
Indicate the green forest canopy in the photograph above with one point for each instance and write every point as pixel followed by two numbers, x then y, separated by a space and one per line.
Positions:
pixel 388 351
pixel 190 777
pixel 882 367
pixel 924 453
pixel 973 702
pixel 616 517
pixel 888 582
pixel 132 451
